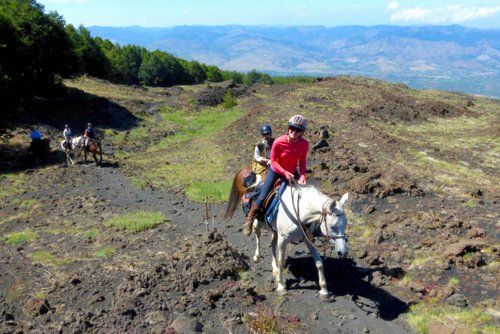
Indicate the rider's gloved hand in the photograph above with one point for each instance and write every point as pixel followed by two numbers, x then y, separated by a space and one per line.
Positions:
pixel 302 180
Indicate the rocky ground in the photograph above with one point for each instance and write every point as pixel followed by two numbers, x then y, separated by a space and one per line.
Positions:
pixel 414 238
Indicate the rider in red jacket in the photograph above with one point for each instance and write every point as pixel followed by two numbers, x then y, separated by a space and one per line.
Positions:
pixel 289 151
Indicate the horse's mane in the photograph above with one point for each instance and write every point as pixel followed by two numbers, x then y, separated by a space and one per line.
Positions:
pixel 310 191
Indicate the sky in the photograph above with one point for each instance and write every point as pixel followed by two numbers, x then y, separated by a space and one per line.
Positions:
pixel 164 13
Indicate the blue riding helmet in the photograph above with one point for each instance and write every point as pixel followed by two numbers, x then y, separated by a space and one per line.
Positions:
pixel 266 129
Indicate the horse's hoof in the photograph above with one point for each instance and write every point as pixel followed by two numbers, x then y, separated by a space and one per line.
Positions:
pixel 327 298
pixel 282 292
pixel 256 259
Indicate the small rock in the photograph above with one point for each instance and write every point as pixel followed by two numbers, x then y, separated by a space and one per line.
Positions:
pixel 185 325
pixel 457 300
pixel 366 330
pixel 314 316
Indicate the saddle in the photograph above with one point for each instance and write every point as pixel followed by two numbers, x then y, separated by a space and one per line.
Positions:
pixel 270 206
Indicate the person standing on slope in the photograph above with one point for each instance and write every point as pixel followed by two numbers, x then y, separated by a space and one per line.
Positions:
pixel 288 152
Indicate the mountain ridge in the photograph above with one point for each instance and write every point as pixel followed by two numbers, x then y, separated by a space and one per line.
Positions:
pixel 443 57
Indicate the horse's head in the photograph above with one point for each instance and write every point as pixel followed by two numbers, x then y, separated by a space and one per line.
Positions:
pixel 336 223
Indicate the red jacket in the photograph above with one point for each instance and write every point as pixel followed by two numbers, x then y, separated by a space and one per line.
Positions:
pixel 286 156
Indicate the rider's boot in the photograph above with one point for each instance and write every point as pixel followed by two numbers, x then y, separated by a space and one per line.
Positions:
pixel 254 211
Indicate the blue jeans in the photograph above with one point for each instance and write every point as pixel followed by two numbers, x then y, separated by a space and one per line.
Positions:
pixel 271 178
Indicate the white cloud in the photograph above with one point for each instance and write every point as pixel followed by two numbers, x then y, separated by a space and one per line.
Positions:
pixel 451 14
pixel 304 11
pixel 393 5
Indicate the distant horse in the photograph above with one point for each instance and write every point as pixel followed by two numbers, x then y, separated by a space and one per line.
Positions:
pixel 93 147
pixel 75 148
pixel 303 211
pixel 39 149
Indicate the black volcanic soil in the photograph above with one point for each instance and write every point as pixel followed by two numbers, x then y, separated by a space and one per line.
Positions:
pixel 181 278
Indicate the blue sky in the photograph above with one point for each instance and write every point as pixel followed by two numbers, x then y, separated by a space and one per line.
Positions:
pixel 162 13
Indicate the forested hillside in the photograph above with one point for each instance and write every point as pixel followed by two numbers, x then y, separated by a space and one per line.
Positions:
pixel 38 49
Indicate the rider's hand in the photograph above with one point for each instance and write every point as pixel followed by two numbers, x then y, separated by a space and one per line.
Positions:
pixel 302 180
pixel 289 176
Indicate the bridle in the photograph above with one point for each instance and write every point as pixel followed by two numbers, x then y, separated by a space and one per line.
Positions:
pixel 328 237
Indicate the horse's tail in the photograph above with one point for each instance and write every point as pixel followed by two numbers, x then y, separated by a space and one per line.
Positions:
pixel 233 200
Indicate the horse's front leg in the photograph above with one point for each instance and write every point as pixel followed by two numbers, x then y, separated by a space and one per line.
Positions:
pixel 274 241
pixel 280 262
pixel 324 294
pixel 68 158
pixel 256 229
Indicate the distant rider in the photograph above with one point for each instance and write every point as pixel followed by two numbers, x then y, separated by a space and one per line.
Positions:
pixel 67 136
pixel 88 135
pixel 288 152
pixel 262 152
pixel 35 136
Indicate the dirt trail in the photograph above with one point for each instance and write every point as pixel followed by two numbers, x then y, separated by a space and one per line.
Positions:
pixel 359 307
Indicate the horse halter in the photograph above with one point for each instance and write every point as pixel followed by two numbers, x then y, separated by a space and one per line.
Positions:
pixel 322 220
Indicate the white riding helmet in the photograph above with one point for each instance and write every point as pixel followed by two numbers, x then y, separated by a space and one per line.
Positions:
pixel 298 121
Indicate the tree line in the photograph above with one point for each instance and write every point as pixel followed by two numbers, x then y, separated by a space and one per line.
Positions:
pixel 38 50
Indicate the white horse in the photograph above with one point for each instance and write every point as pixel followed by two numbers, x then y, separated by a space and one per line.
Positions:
pixel 317 212
pixel 76 149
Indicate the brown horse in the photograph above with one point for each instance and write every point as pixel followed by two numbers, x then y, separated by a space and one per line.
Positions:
pixel 94 147
pixel 237 192
pixel 39 149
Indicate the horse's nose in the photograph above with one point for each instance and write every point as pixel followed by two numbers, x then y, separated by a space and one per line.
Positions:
pixel 340 254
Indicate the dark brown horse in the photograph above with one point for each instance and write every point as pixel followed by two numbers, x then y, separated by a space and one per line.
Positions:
pixel 39 150
pixel 237 192
pixel 93 147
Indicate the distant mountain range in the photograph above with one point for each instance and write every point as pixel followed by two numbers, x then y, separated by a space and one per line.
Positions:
pixel 441 57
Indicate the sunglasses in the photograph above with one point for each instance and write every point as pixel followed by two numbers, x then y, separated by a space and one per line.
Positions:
pixel 295 129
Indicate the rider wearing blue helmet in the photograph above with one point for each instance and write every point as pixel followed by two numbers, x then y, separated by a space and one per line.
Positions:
pixel 262 152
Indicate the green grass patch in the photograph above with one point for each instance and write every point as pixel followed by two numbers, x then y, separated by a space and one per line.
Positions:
pixel 12 184
pixel 91 234
pixel 475 319
pixel 15 238
pixel 471 204
pixel 419 261
pixel 26 204
pixel 196 124
pixel 453 282
pixel 105 252
pixel 190 157
pixel 47 258
pixel 467 256
pixel 15 291
pixel 136 221
pixel 215 191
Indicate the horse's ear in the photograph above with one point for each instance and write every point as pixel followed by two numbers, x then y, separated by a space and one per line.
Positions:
pixel 344 199
pixel 331 207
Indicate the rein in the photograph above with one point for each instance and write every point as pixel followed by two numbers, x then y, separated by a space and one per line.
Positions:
pixel 322 220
